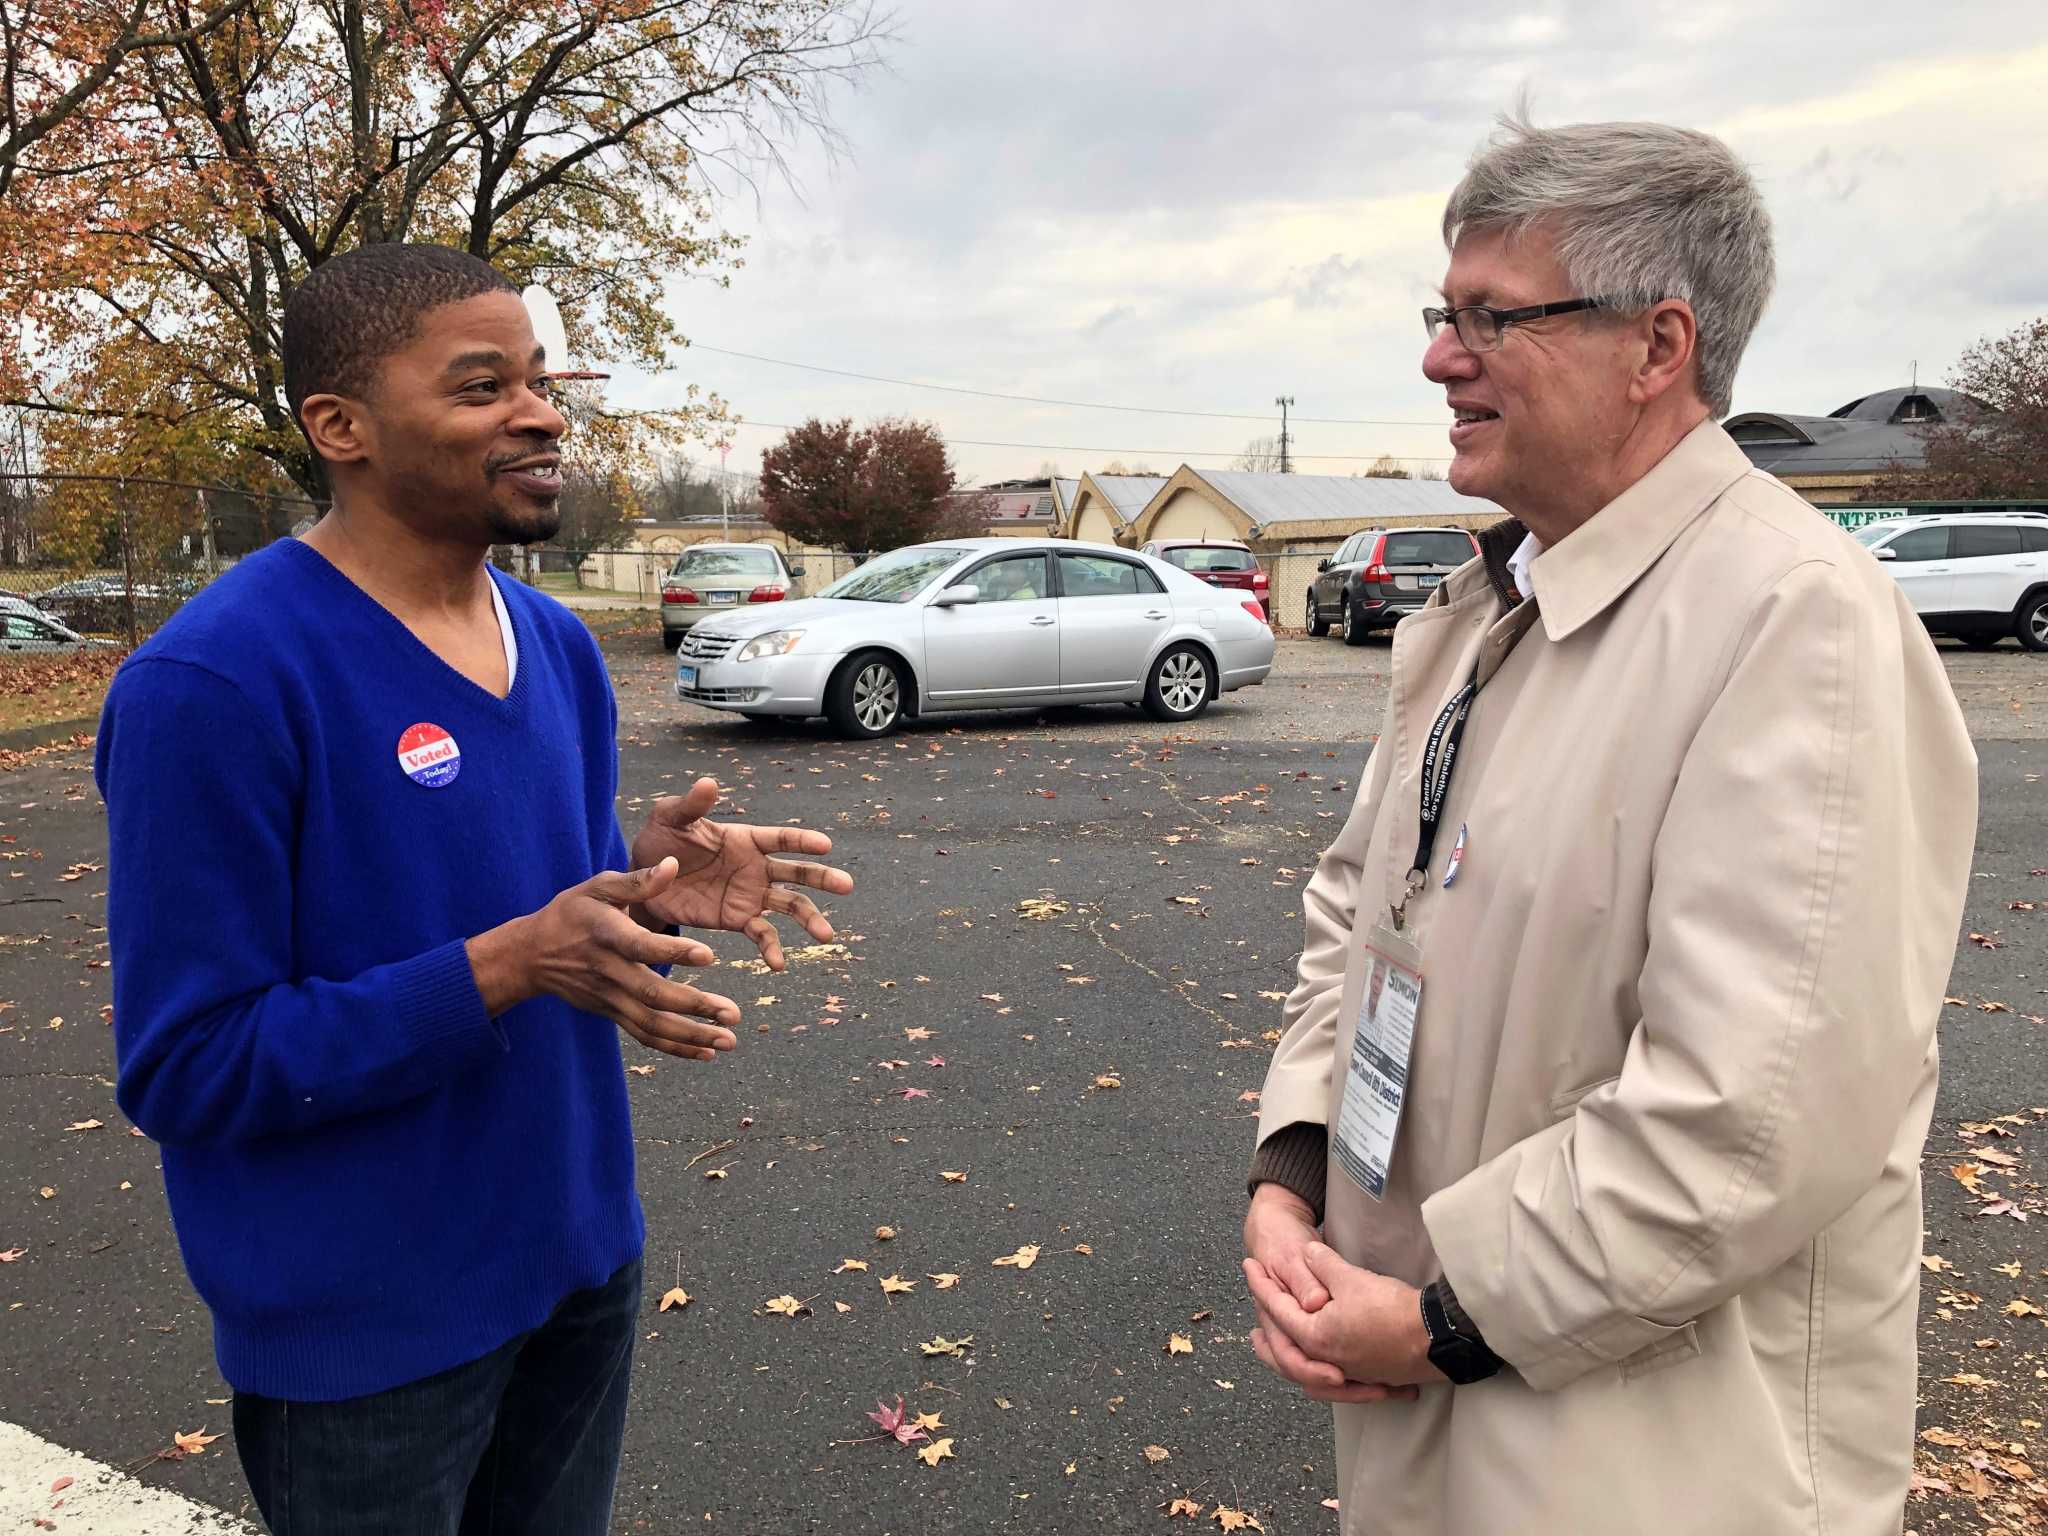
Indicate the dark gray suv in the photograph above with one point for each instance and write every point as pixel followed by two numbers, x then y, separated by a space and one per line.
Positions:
pixel 1379 575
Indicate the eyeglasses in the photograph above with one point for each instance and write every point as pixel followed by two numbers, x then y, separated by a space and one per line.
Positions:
pixel 1481 327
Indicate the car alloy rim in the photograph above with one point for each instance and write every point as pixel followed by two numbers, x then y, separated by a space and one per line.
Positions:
pixel 1347 621
pixel 1311 612
pixel 1183 681
pixel 2038 622
pixel 875 698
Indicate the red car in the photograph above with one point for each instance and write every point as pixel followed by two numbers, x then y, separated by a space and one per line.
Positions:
pixel 1219 562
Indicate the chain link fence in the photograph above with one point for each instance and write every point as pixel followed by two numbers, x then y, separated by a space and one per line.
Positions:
pixel 112 558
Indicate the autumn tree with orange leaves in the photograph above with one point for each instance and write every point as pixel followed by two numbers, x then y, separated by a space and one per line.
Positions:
pixel 172 172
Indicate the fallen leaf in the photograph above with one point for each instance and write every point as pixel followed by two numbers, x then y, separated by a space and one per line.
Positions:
pixel 1023 1258
pixel 678 1298
pixel 1934 1263
pixel 1179 1344
pixel 894 1422
pixel 1939 1436
pixel 62 1483
pixel 1966 1175
pixel 1330 1505
pixel 1988 1006
pixel 194 1444
pixel 916 1032
pixel 883 1234
pixel 785 1306
pixel 896 1285
pixel 47 1192
pixel 953 1178
pixel 1228 1386
pixel 8 1256
pixel 2000 1208
pixel 1969 1379
pixel 1186 1507
pixel 1083 1248
pixel 83 1125
pixel 944 1282
pixel 641 1071
pixel 914 1093
pixel 1249 1096
pixel 840 1306
pixel 1157 1453
pixel 1234 1519
pixel 1040 910
pixel 846 1264
pixel 2021 1307
pixel 1987 941
pixel 2010 1271
pixel 941 1345
pixel 930 1421
pixel 715 1173
pixel 1108 1081
pixel 936 1452
pixel 1202 1316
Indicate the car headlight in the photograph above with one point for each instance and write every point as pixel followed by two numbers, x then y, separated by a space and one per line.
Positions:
pixel 777 642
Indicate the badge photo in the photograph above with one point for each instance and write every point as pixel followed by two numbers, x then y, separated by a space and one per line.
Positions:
pixel 428 755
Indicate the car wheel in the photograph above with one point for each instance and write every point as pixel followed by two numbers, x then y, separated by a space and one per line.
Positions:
pixel 1355 633
pixel 1181 685
pixel 1317 625
pixel 866 697
pixel 2033 625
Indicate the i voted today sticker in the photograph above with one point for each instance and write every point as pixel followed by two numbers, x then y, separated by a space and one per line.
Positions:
pixel 429 756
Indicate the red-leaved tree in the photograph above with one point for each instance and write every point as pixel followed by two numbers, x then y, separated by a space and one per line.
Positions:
pixel 868 488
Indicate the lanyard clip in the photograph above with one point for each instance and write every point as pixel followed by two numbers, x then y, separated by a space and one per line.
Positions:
pixel 1417 879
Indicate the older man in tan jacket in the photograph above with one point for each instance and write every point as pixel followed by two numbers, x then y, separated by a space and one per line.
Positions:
pixel 1613 1050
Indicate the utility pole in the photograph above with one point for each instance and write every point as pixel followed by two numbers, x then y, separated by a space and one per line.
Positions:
pixel 1284 401
pixel 725 491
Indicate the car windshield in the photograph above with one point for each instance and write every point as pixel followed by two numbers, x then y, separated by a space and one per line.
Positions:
pixel 1871 533
pixel 727 562
pixel 896 577
pixel 1209 557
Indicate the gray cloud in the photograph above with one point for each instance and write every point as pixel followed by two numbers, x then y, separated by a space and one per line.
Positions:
pixel 1197 205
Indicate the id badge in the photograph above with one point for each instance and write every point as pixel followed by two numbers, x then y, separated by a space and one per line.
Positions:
pixel 1377 1081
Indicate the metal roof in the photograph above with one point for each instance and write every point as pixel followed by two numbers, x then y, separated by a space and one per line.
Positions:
pixel 1270 499
pixel 1127 494
pixel 1063 495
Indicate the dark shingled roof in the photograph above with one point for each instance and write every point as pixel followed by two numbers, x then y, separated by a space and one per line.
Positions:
pixel 1865 436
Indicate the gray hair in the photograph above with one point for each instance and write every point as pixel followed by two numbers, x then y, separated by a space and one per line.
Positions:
pixel 1641 212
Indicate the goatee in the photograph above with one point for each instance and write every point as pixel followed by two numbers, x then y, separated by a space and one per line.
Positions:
pixel 534 525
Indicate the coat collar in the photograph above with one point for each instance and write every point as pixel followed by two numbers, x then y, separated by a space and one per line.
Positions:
pixel 1584 574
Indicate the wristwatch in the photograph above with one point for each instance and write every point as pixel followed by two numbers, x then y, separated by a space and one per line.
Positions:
pixel 1455 1347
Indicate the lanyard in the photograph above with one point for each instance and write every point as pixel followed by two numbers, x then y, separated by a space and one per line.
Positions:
pixel 1439 760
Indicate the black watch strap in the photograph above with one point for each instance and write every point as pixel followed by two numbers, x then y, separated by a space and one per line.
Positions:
pixel 1456 1350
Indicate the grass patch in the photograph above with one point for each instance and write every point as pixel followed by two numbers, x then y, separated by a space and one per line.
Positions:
pixel 43 690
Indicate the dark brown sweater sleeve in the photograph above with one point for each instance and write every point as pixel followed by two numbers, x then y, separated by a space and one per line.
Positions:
pixel 1296 1157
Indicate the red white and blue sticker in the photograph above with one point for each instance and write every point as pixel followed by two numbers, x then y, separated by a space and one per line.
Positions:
pixel 1450 869
pixel 429 756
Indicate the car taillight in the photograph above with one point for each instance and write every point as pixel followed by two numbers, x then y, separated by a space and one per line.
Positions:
pixel 1251 607
pixel 766 595
pixel 678 595
pixel 1376 572
pixel 1259 582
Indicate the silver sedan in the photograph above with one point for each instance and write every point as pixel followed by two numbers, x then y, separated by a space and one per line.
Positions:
pixel 982 624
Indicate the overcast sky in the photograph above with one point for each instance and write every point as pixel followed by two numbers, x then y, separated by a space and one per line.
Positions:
pixel 1197 207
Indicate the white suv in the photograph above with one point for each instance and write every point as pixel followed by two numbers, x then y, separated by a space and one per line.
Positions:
pixel 1978 576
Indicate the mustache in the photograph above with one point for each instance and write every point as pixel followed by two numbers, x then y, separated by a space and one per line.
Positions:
pixel 498 461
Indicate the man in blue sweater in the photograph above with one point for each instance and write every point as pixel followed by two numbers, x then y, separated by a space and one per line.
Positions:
pixel 375 930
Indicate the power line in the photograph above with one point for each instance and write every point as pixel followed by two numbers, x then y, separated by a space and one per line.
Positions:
pixel 1079 405
pixel 1159 453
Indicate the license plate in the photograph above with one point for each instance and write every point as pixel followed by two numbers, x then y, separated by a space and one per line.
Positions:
pixel 686 677
pixel 722 597
pixel 1426 582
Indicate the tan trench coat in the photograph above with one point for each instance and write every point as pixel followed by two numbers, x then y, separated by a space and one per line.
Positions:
pixel 1675 1059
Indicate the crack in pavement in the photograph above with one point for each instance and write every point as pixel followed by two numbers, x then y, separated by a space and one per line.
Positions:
pixel 1173 988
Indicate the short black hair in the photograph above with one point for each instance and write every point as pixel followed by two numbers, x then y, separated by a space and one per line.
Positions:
pixel 356 309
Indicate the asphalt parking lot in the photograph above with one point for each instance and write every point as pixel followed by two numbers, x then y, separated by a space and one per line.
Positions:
pixel 1058 979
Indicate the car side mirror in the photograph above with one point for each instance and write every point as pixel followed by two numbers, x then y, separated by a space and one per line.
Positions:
pixel 1887 553
pixel 954 597
pixel 796 572
pixel 1321 566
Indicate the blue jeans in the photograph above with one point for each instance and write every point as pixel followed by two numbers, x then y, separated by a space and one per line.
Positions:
pixel 524 1442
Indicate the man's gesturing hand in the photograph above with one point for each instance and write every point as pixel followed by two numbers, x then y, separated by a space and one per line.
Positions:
pixel 727 874
pixel 584 949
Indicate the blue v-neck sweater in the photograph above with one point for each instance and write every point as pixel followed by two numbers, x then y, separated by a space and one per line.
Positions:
pixel 371 1179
